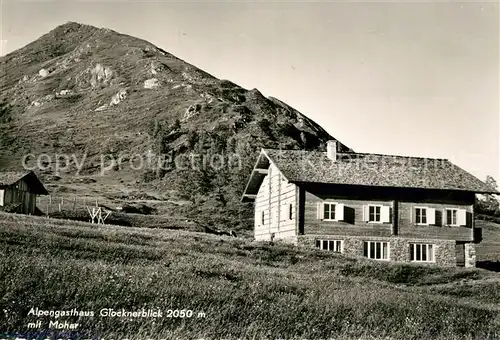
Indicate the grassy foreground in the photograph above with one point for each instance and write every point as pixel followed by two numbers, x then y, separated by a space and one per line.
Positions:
pixel 235 288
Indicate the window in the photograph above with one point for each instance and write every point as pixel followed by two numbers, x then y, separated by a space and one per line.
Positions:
pixel 377 213
pixel 425 216
pixel 330 245
pixel 290 211
pixel 421 215
pixel 374 213
pixel 451 217
pixel 376 250
pixel 421 252
pixel 329 211
pixel 262 218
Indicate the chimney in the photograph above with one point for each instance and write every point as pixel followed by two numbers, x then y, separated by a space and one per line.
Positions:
pixel 331 150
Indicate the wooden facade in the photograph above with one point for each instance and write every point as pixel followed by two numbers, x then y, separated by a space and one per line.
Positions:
pixel 21 191
pixel 401 204
pixel 275 208
pixel 424 224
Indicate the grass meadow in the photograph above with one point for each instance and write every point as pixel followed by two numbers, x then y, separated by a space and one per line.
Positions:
pixel 236 288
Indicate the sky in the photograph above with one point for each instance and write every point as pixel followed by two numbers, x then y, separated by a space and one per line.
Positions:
pixel 393 77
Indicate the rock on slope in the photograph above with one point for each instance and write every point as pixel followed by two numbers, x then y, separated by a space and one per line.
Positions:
pixel 84 90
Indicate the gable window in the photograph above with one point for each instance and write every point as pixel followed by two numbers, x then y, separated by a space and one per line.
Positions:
pixel 421 252
pixel 290 211
pixel 330 245
pixel 262 218
pixel 376 250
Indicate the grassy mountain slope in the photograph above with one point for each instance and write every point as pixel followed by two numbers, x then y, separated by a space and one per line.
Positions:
pixel 245 289
pixel 88 91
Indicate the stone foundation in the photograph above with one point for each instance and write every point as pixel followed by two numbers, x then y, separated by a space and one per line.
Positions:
pixel 470 255
pixel 399 248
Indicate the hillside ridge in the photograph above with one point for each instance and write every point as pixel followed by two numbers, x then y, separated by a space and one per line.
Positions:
pixel 92 93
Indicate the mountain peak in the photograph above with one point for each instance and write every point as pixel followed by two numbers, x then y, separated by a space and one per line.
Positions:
pixel 85 90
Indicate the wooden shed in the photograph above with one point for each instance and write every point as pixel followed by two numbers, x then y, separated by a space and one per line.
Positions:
pixel 19 190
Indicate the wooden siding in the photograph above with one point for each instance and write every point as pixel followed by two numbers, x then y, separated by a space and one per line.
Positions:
pixel 353 223
pixel 402 203
pixel 408 228
pixel 20 193
pixel 274 198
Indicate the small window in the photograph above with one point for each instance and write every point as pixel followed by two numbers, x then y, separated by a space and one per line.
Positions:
pixel 376 250
pixel 329 211
pixel 290 211
pixel 374 213
pixel 262 218
pixel 421 215
pixel 421 252
pixel 329 245
pixel 451 217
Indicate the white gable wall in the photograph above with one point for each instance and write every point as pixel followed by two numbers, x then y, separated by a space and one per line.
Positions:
pixel 273 200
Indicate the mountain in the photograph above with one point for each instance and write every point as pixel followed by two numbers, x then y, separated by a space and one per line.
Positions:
pixel 80 90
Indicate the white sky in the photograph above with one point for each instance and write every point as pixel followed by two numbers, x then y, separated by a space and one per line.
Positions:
pixel 406 78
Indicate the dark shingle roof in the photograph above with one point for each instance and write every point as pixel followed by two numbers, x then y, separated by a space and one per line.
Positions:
pixel 8 178
pixel 374 170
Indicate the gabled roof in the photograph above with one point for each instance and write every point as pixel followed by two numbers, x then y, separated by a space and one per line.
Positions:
pixel 8 178
pixel 368 170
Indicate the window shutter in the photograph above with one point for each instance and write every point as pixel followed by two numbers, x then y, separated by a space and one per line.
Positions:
pixel 339 212
pixel 444 218
pixel 365 213
pixel 461 217
pixel 320 211
pixel 385 214
pixel 1 197
pixel 431 216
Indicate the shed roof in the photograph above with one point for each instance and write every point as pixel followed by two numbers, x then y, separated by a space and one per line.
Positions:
pixel 8 178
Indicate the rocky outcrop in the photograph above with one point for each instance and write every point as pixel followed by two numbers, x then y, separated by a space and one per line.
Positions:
pixel 117 98
pixel 43 73
pixel 100 75
pixel 151 83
